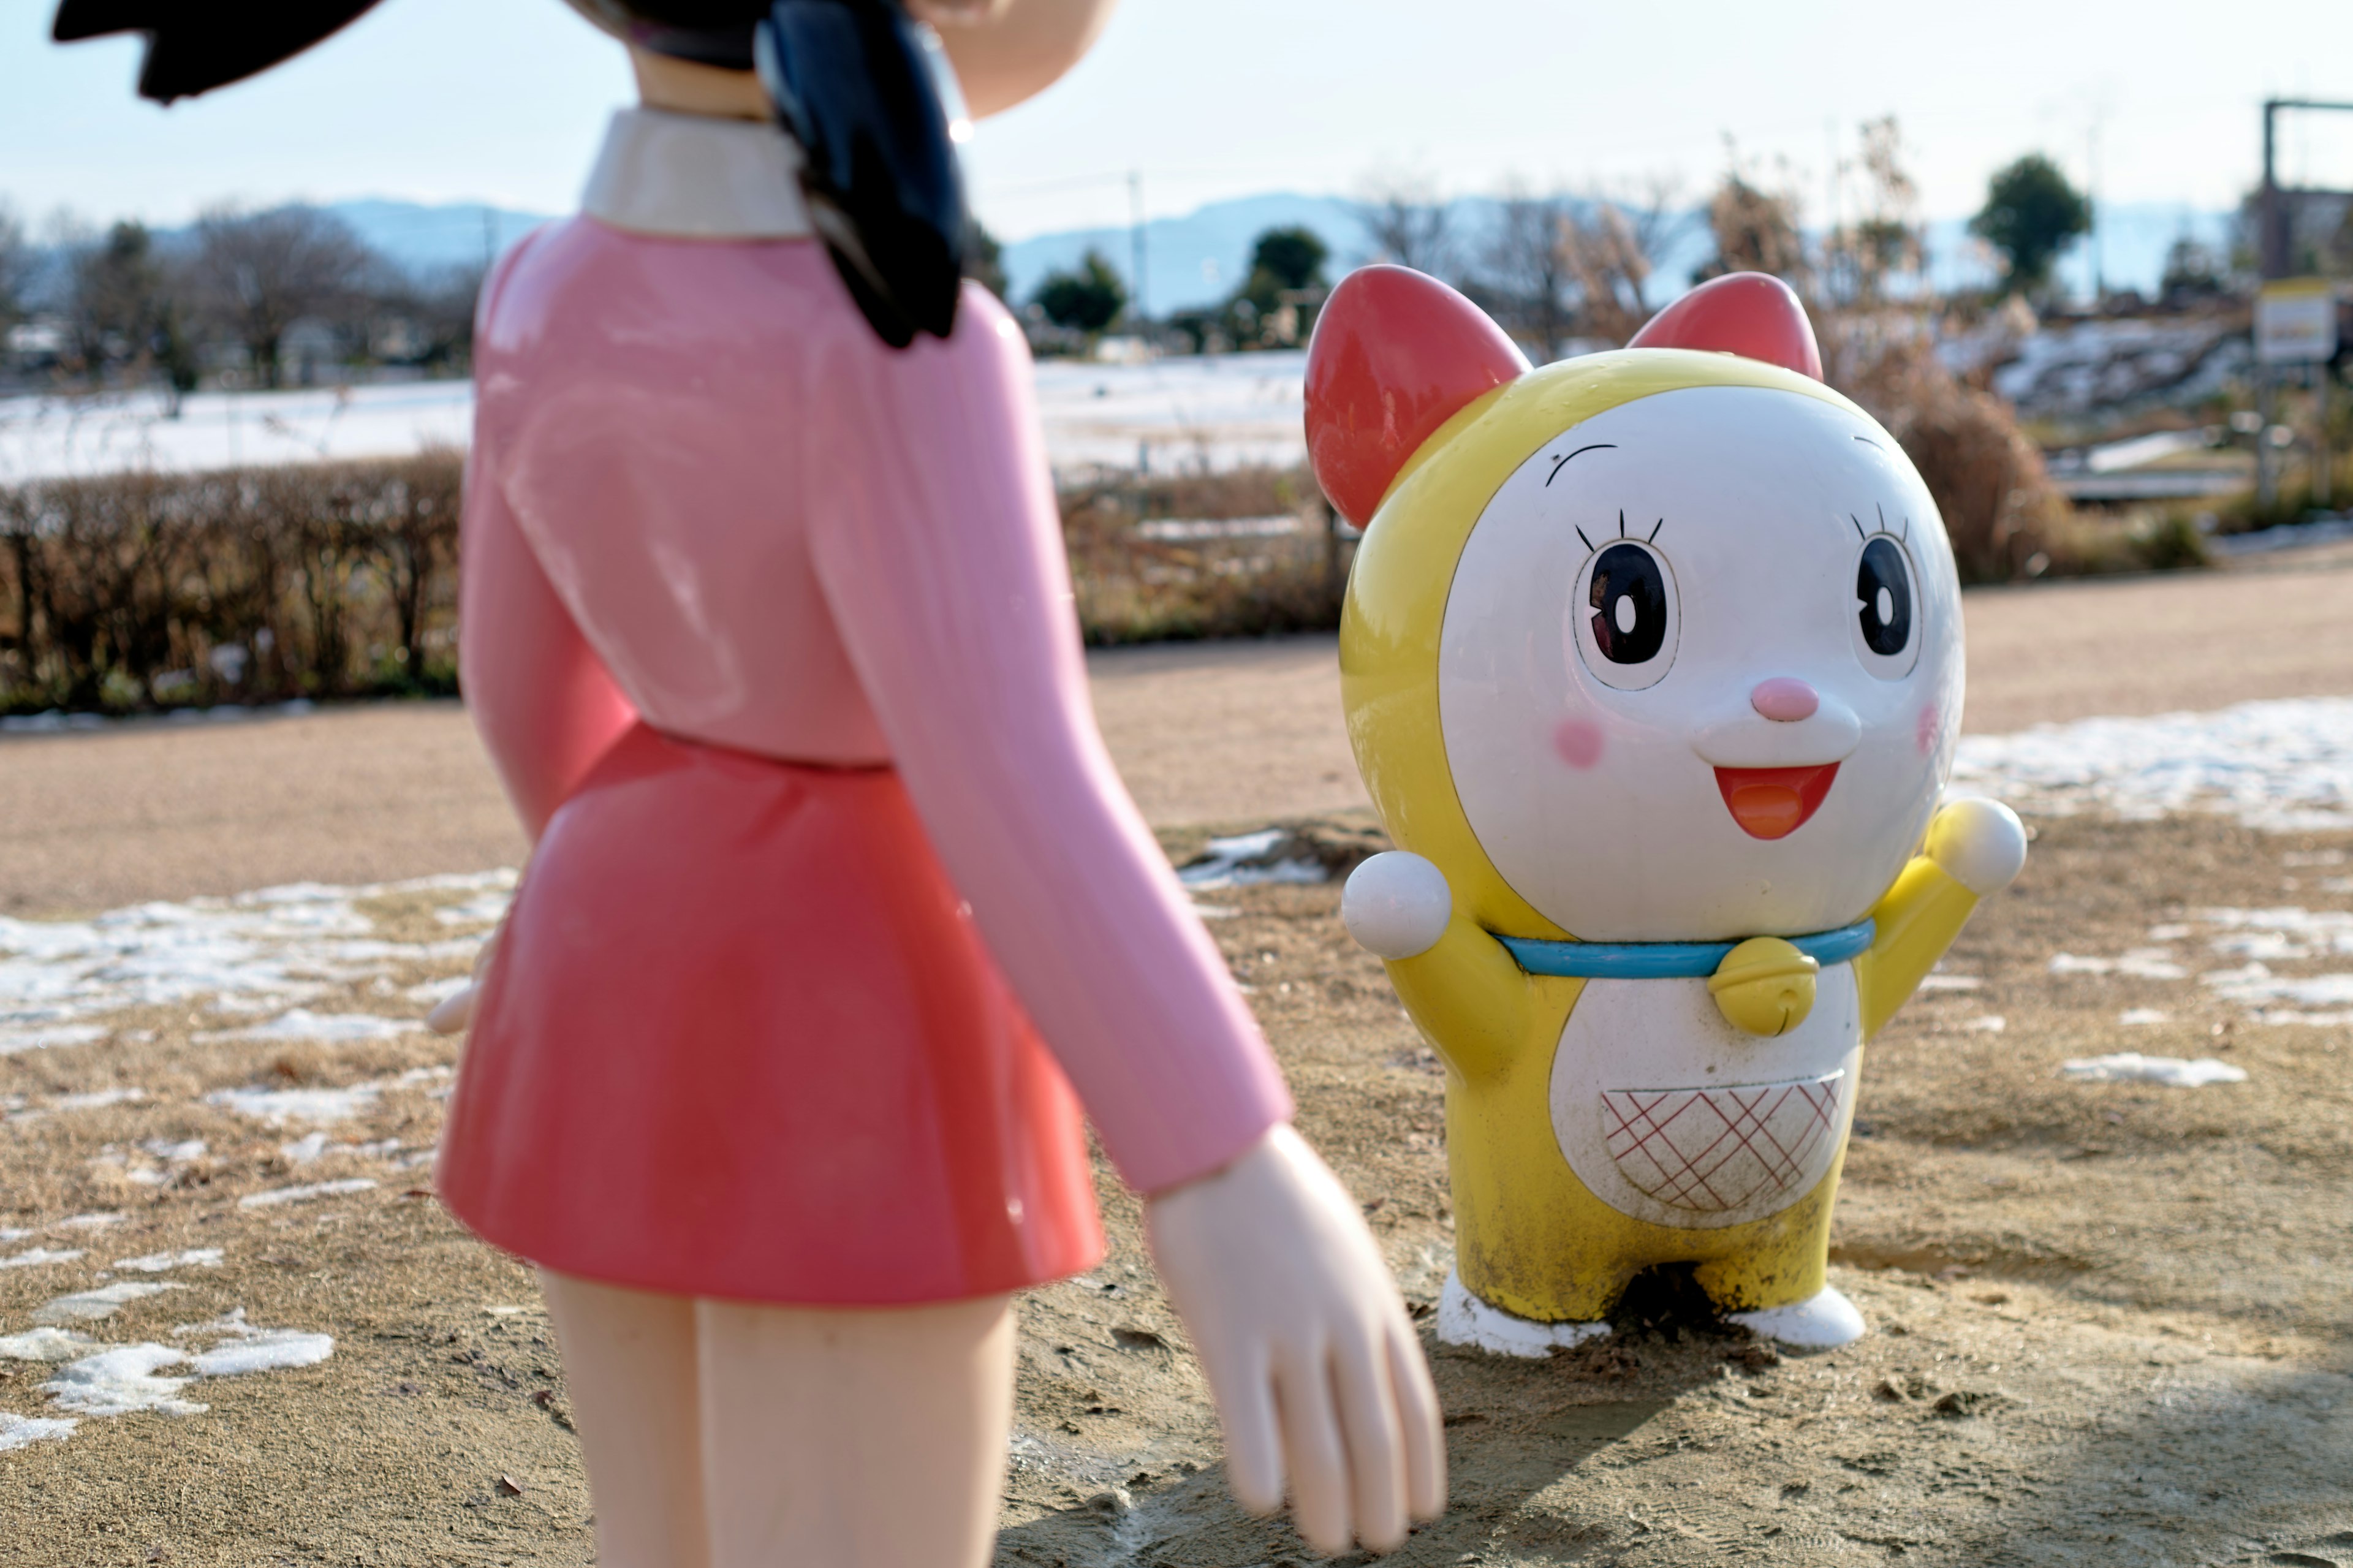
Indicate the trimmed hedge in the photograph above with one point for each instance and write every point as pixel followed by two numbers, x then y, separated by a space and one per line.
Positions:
pixel 144 591
pixel 140 592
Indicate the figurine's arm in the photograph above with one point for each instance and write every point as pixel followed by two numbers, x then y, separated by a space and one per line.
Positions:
pixel 938 544
pixel 1974 848
pixel 544 702
pixel 1458 982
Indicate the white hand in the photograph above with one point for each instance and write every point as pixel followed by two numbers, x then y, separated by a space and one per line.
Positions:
pixel 1316 1370
pixel 1397 905
pixel 454 1012
pixel 1980 844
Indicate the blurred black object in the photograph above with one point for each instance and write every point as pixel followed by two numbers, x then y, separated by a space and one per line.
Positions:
pixel 193 48
pixel 866 96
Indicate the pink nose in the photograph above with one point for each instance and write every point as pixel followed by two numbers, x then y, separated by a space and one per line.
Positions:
pixel 1785 700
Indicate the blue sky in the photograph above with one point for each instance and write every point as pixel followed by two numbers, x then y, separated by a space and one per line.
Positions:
pixel 502 101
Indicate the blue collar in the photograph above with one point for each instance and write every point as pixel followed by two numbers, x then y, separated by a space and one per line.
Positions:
pixel 1668 960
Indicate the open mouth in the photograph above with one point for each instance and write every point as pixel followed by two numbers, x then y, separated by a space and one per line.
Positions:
pixel 1772 803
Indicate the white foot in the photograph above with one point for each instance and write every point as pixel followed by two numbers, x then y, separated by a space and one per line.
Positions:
pixel 1820 1322
pixel 1464 1320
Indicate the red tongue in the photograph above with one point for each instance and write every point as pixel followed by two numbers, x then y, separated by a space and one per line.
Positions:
pixel 1772 803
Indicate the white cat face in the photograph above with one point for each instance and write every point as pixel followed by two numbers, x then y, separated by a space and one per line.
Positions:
pixel 1701 668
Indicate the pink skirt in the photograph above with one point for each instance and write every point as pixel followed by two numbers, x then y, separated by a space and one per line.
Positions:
pixel 742 1040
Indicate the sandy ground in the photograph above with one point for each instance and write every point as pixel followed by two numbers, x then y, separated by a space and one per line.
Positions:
pixel 2111 1322
pixel 1202 732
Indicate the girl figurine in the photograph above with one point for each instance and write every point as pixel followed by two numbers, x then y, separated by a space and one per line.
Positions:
pixel 767 630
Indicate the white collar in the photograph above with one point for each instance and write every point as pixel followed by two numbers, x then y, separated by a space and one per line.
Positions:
pixel 692 176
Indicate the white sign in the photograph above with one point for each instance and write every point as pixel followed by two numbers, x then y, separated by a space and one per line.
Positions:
pixel 2295 322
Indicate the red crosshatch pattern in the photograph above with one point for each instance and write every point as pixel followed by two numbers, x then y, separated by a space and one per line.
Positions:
pixel 1714 1150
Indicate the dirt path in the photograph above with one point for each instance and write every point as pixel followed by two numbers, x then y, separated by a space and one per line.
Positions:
pixel 2110 1320
pixel 1203 732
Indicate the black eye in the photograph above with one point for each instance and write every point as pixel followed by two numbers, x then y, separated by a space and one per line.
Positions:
pixel 1884 585
pixel 1629 604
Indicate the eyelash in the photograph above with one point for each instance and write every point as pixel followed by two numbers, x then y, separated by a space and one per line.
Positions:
pixel 1592 549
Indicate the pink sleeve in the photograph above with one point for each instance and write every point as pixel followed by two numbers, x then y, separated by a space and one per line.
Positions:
pixel 543 703
pixel 939 547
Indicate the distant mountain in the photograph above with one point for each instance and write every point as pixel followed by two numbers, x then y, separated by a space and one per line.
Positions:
pixel 424 239
pixel 1199 257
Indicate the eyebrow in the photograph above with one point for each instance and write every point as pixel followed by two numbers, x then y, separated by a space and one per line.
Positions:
pixel 1867 441
pixel 1559 462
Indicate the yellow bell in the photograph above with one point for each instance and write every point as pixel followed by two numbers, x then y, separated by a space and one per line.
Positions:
pixel 1765 986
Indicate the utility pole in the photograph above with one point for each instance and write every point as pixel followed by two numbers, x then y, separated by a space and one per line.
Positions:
pixel 2099 260
pixel 1135 240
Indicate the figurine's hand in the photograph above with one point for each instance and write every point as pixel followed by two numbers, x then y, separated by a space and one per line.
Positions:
pixel 1980 844
pixel 454 1012
pixel 1315 1368
pixel 1397 905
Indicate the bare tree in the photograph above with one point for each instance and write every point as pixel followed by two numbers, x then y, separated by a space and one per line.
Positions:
pixel 1885 242
pixel 1755 226
pixel 19 264
pixel 260 273
pixel 1527 266
pixel 1406 222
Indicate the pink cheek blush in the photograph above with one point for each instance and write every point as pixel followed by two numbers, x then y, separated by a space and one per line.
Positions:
pixel 1931 726
pixel 1578 742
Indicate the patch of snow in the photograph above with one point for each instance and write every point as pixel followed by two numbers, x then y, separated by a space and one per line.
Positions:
pixel 95 1305
pixel 2280 765
pixel 122 1380
pixel 160 1262
pixel 2131 1066
pixel 279 1106
pixel 304 1194
pixel 2254 986
pixel 1951 982
pixel 334 1028
pixel 44 1344
pixel 2140 964
pixel 272 951
pixel 38 1257
pixel 1243 861
pixel 484 909
pixel 1991 1023
pixel 98 1221
pixel 97 1099
pixel 2136 1018
pixel 17 1431
pixel 263 1350
pixel 178 1153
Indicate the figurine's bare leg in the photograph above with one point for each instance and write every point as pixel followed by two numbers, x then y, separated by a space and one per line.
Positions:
pixel 630 1367
pixel 854 1438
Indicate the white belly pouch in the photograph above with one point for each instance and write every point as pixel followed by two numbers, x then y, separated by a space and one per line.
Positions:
pixel 1669 1114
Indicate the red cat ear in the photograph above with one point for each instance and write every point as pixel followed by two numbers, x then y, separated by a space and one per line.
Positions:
pixel 1747 313
pixel 1396 354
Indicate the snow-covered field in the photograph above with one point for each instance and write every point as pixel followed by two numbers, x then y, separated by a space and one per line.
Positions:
pixel 1178 415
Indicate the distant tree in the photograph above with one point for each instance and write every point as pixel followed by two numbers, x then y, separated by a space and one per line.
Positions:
pixel 1085 301
pixel 984 259
pixel 1407 223
pixel 1755 227
pixel 19 264
pixel 1527 266
pixel 2030 213
pixel 2193 270
pixel 127 305
pixel 1612 245
pixel 1885 242
pixel 1285 258
pixel 260 273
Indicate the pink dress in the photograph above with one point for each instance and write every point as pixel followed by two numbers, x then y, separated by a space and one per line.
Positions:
pixel 768 632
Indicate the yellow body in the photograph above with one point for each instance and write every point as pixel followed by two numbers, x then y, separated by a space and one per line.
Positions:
pixel 1531 1238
